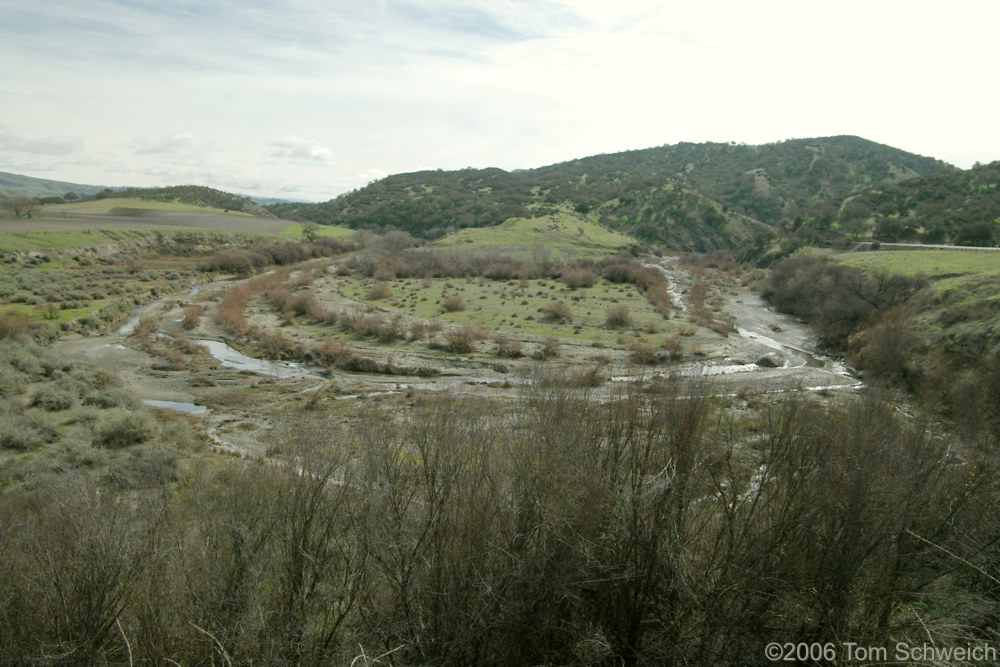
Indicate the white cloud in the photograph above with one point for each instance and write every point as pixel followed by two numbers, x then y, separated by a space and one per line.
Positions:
pixel 293 149
pixel 371 174
pixel 181 143
pixel 405 84
pixel 49 145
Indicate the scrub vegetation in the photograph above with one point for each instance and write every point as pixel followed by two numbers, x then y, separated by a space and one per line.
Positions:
pixel 498 448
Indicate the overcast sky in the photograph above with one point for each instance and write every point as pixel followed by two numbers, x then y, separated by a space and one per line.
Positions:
pixel 309 99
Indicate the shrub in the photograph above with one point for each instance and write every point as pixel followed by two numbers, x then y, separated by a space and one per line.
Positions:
pixel 304 304
pixel 148 466
pixel 230 312
pixel 673 347
pixel 508 347
pixel 389 329
pixel 557 311
pixel 419 330
pixel 53 398
pixel 379 292
pixel 617 317
pixel 463 339
pixel 643 352
pixel 192 317
pixel 111 397
pixel 9 383
pixel 589 377
pixel 27 431
pixel 453 304
pixel 576 277
pixel 15 324
pixel 118 428
pixel 549 349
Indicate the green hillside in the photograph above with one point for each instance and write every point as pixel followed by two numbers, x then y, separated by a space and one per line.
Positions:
pixel 956 207
pixel 15 185
pixel 688 196
pixel 192 195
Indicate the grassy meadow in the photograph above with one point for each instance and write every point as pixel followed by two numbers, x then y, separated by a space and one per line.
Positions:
pixel 564 235
pixel 513 306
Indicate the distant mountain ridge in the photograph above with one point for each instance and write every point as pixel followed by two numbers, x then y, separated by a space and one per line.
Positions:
pixel 28 186
pixel 687 196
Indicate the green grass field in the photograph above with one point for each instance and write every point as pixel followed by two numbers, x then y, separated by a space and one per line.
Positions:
pixel 515 306
pixel 48 239
pixel 333 231
pixel 964 301
pixel 564 234
pixel 106 206
pixel 932 264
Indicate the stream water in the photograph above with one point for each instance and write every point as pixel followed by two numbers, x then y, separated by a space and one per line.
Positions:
pixel 756 322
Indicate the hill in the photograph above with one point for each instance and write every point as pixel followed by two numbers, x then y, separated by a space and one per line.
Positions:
pixel 15 185
pixel 192 195
pixel 689 196
pixel 956 207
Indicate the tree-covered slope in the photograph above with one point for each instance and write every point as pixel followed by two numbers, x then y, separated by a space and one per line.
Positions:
pixel 196 195
pixel 690 196
pixel 957 207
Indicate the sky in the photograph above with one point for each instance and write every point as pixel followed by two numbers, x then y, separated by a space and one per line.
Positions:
pixel 303 99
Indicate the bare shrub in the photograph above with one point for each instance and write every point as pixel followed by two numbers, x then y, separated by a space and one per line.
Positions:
pixel 673 347
pixel 383 274
pixel 303 278
pixel 379 292
pixel 549 349
pixel 231 311
pixel 463 339
pixel 304 304
pixel 720 323
pixel 390 329
pixel 577 277
pixel 146 466
pixel 419 330
pixel 192 317
pixel 332 353
pixel 557 311
pixel 617 317
pixel 453 303
pixel 275 345
pixel 642 352
pixel 696 295
pixel 592 376
pixel 508 347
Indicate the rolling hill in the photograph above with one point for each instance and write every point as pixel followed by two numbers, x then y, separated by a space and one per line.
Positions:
pixel 12 185
pixel 687 196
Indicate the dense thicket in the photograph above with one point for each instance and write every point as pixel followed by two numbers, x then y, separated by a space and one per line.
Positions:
pixel 941 345
pixel 838 300
pixel 649 529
